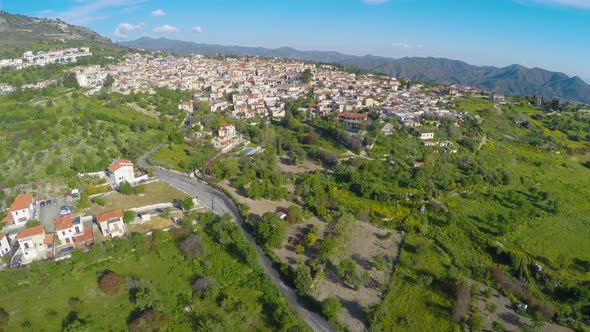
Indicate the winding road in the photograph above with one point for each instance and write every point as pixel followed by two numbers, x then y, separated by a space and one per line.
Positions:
pixel 221 204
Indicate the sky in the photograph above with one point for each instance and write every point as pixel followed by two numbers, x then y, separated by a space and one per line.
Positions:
pixel 550 34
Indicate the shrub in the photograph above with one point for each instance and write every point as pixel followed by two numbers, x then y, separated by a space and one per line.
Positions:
pixel 203 284
pixel 299 249
pixel 379 262
pixel 192 246
pixel 150 320
pixel 294 214
pixel 4 317
pixel 100 200
pixel 111 283
pixel 331 308
pixel 74 303
pixel 128 216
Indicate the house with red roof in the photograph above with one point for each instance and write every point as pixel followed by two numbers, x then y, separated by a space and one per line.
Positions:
pixel 21 210
pixel 111 223
pixel 71 231
pixel 121 170
pixel 35 244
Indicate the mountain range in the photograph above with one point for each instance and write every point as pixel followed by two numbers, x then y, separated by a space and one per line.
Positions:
pixel 511 80
pixel 19 33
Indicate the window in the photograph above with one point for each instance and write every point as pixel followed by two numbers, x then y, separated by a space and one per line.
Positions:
pixel 26 245
pixel 63 233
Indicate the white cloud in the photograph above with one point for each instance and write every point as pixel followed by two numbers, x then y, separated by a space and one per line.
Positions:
pixel 158 13
pixel 406 46
pixel 401 45
pixel 123 29
pixel 166 29
pixel 93 10
pixel 374 2
pixel 197 29
pixel 585 4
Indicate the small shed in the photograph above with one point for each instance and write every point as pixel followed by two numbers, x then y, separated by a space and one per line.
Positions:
pixel 145 216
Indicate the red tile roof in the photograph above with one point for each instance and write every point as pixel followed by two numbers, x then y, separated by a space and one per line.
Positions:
pixel 62 223
pixel 115 167
pixel 109 215
pixel 87 236
pixel 28 232
pixel 48 239
pixel 7 219
pixel 21 202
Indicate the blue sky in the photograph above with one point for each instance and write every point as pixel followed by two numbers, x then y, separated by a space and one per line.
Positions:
pixel 551 34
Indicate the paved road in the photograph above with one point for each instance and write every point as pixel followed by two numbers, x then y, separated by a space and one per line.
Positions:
pixel 221 204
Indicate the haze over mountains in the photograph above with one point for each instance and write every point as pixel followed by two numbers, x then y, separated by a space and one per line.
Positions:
pixel 19 32
pixel 513 79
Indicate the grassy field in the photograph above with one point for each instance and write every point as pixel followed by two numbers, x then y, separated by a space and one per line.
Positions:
pixel 182 157
pixel 155 193
pixel 37 297
pixel 414 302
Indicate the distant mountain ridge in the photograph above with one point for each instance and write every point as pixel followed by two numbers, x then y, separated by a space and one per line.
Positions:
pixel 512 80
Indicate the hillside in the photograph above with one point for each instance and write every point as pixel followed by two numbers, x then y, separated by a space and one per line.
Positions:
pixel 513 80
pixel 19 33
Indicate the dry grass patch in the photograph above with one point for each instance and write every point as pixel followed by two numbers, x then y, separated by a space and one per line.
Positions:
pixel 155 193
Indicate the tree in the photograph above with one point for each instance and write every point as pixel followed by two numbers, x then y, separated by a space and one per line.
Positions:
pixel 294 214
pixel 270 231
pixel 126 188
pixel 192 246
pixel 111 283
pixel 303 280
pixel 202 285
pixel 70 80
pixel 187 204
pixel 331 308
pixel 307 75
pixel 129 216
pixel 108 81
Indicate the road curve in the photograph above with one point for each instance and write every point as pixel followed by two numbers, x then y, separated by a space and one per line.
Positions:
pixel 221 204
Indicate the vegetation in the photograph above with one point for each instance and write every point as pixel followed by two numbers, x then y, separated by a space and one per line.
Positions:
pixel 148 283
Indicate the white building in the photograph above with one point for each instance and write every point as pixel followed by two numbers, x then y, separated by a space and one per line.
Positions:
pixel 121 170
pixel 4 245
pixel 426 135
pixel 34 243
pixel 111 223
pixel 21 210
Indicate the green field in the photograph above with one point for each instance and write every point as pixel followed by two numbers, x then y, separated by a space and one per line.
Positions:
pixel 159 277
pixel 182 157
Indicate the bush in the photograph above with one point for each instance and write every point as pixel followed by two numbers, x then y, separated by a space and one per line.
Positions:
pixel 74 303
pixel 111 283
pixel 202 285
pixel 331 308
pixel 192 246
pixel 150 320
pixel 4 317
pixel 294 214
pixel 100 200
pixel 129 216
pixel 379 262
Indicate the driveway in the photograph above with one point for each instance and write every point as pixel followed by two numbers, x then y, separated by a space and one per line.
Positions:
pixel 221 204
pixel 48 213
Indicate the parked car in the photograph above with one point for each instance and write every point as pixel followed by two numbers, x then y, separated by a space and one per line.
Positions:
pixel 64 211
pixel 42 203
pixel 175 220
